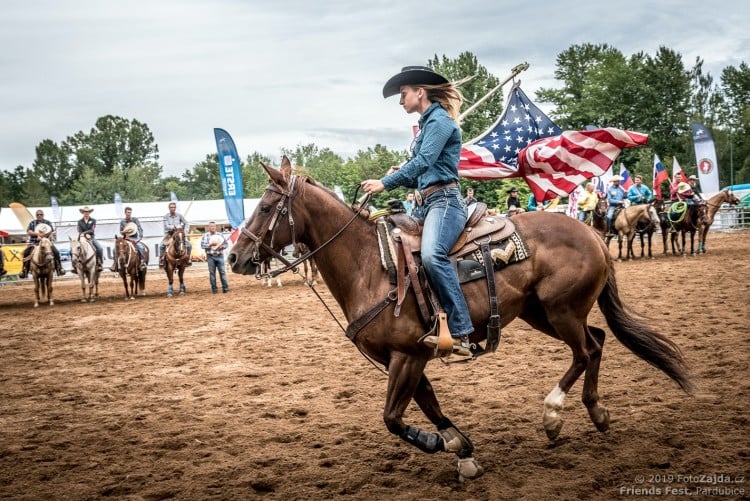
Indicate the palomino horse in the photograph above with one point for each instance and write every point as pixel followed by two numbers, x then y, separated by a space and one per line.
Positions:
pixel 175 259
pixel 129 265
pixel 42 261
pixel 712 207
pixel 311 276
pixel 628 221
pixel 554 289
pixel 83 257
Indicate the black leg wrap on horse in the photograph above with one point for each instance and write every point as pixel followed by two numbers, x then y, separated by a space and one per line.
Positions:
pixel 427 442
pixel 444 424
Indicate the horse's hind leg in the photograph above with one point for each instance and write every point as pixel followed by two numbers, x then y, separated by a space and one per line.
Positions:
pixel 562 324
pixel 599 415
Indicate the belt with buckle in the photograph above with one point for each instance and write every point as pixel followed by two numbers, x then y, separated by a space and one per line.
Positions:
pixel 432 189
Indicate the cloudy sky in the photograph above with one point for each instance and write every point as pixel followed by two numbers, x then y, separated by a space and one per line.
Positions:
pixel 280 73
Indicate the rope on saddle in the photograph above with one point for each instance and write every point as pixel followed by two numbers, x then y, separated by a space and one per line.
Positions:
pixel 387 249
pixel 677 212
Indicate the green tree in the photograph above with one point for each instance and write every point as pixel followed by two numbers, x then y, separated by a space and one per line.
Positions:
pixel 204 181
pixel 12 185
pixel 733 144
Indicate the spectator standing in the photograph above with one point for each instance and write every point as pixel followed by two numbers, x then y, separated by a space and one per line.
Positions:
pixel 214 244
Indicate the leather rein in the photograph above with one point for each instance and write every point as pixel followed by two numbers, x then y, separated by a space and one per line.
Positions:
pixel 284 209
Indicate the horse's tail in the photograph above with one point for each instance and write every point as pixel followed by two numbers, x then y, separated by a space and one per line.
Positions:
pixel 645 342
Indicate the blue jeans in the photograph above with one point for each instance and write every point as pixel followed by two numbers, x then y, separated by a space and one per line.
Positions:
pixel 98 247
pixel 444 214
pixel 610 214
pixel 214 263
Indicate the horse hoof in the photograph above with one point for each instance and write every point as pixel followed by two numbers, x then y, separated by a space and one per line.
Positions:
pixel 469 469
pixel 554 431
pixel 52 303
pixel 600 418
pixel 83 300
pixel 36 305
pixel 182 293
pixel 169 294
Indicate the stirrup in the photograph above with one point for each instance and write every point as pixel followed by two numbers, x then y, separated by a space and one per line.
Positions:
pixel 460 345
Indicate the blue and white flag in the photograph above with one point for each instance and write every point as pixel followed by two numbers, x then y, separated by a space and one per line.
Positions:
pixel 118 205
pixel 231 177
pixel 55 208
pixel 705 157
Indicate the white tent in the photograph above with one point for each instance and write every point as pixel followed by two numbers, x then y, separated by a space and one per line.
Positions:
pixel 197 212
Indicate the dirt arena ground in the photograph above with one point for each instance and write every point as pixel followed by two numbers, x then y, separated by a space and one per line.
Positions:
pixel 258 394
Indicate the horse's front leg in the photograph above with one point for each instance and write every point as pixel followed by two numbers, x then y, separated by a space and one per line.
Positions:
pixel 180 274
pixel 454 439
pixel 405 377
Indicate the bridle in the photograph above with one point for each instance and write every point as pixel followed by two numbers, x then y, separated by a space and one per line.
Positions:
pixel 79 256
pixel 45 255
pixel 177 242
pixel 284 209
pixel 131 251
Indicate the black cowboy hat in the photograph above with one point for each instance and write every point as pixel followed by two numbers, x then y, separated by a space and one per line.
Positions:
pixel 412 75
pixel 512 190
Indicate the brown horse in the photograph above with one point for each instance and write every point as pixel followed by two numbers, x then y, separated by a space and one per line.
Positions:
pixel 129 265
pixel 628 221
pixel 599 217
pixel 42 265
pixel 568 270
pixel 685 218
pixel 661 209
pixel 712 207
pixel 175 259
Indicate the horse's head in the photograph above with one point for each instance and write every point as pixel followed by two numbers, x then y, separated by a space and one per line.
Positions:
pixel 601 207
pixel 653 214
pixel 730 198
pixel 272 225
pixel 658 204
pixel 44 251
pixel 178 241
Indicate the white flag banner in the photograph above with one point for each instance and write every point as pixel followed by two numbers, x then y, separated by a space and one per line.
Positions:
pixel 677 172
pixel 705 156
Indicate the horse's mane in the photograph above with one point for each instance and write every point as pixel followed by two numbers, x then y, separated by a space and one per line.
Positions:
pixel 303 181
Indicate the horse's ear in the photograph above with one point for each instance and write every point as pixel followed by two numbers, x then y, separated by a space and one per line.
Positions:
pixel 275 175
pixel 286 167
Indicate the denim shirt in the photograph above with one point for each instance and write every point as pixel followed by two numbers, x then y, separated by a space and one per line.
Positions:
pixel 615 195
pixel 437 150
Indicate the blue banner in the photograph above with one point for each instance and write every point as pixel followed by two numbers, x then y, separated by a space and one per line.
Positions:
pixel 231 177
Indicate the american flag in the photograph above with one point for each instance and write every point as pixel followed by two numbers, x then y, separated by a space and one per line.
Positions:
pixel 524 142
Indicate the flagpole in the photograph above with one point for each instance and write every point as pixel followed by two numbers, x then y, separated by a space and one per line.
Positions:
pixel 513 73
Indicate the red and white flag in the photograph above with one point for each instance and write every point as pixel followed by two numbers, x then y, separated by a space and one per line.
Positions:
pixel 525 143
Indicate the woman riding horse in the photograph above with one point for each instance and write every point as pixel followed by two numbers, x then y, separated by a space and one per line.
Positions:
pixel 543 289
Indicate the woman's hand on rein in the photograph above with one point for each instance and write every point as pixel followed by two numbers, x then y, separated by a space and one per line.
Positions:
pixel 372 186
